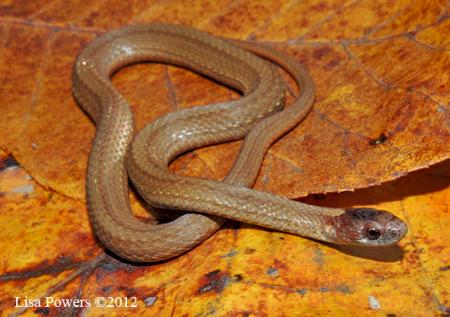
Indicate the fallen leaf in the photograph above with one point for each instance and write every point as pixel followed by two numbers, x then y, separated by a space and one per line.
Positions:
pixel 49 253
pixel 382 83
pixel 381 112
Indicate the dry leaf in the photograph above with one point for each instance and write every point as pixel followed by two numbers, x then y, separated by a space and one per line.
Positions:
pixel 48 251
pixel 381 111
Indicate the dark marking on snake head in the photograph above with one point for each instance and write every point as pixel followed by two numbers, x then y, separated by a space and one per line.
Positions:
pixel 214 281
pixel 361 213
pixel 380 140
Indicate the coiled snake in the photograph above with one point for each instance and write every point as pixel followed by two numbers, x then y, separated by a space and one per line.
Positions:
pixel 255 117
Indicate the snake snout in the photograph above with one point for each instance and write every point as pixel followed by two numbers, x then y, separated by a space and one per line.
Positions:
pixel 396 229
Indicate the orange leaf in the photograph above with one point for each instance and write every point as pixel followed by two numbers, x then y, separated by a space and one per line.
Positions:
pixel 381 112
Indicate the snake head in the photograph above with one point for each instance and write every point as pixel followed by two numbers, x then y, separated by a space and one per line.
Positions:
pixel 371 227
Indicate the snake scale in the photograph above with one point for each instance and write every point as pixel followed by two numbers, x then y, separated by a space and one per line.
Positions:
pixel 259 117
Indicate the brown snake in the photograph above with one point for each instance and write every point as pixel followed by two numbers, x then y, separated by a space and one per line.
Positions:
pixel 255 116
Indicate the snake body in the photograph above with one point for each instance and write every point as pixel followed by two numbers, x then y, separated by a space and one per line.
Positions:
pixel 255 117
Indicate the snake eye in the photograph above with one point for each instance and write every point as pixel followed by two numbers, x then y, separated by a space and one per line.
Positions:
pixel 373 233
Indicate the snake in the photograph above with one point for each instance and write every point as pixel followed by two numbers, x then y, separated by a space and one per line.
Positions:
pixel 259 118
